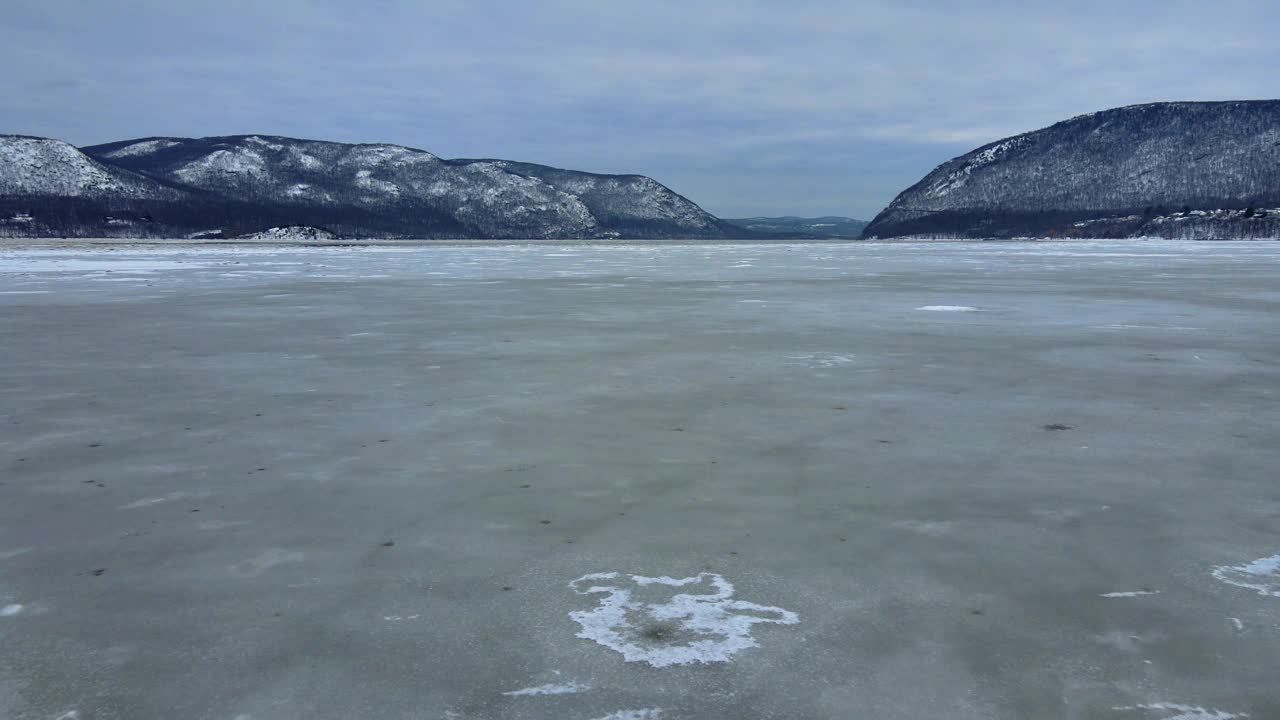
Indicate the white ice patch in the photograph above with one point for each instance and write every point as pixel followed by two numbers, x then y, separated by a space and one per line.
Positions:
pixel 549 689
pixel 642 714
pixel 1184 712
pixel 148 502
pixel 701 627
pixel 1130 594
pixel 265 561
pixel 948 308
pixel 821 359
pixel 10 610
pixel 1262 575
pixel 220 524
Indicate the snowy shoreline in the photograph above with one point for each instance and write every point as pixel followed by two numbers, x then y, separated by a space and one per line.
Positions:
pixel 7 244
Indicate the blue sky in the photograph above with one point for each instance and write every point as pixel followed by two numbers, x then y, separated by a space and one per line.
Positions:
pixel 746 107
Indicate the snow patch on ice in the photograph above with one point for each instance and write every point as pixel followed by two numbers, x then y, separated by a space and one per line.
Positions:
pixel 10 610
pixel 147 502
pixel 266 560
pixel 821 359
pixel 1262 575
pixel 642 714
pixel 1130 594
pixel 689 627
pixel 1184 712
pixel 549 689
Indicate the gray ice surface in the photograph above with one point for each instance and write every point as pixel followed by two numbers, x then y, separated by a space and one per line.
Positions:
pixel 367 483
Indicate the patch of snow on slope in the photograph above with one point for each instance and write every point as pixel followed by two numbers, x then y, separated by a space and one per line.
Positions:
pixel 264 143
pixel 40 166
pixel 493 191
pixel 365 180
pixel 958 178
pixel 238 161
pixel 394 154
pixel 306 160
pixel 144 147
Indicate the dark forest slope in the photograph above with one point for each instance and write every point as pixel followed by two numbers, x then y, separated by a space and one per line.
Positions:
pixel 1170 169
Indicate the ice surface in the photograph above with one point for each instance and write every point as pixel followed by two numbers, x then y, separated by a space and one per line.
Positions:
pixel 549 689
pixel 339 484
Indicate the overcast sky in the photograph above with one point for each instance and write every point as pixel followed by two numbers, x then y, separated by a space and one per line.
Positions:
pixel 748 108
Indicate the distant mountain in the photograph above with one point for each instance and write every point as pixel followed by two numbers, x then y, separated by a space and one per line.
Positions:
pixel 1194 170
pixel 34 166
pixel 790 225
pixel 238 185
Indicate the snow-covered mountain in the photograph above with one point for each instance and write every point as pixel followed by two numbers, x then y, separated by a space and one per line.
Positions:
pixel 833 226
pixel 1138 170
pixel 401 190
pixel 31 166
pixel 248 183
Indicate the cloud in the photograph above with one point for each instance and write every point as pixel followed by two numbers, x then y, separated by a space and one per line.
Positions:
pixel 748 107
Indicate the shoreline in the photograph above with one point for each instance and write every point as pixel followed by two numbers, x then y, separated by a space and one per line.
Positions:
pixel 9 244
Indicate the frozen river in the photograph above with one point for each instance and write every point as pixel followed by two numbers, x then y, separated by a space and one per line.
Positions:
pixel 575 482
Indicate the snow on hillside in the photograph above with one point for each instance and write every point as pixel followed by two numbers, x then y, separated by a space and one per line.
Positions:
pixel 243 184
pixel 237 161
pixel 38 166
pixel 142 147
pixel 1143 160
pixel 293 233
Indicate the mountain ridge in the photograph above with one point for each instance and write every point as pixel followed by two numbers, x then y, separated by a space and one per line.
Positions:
pixel 242 184
pixel 1127 171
